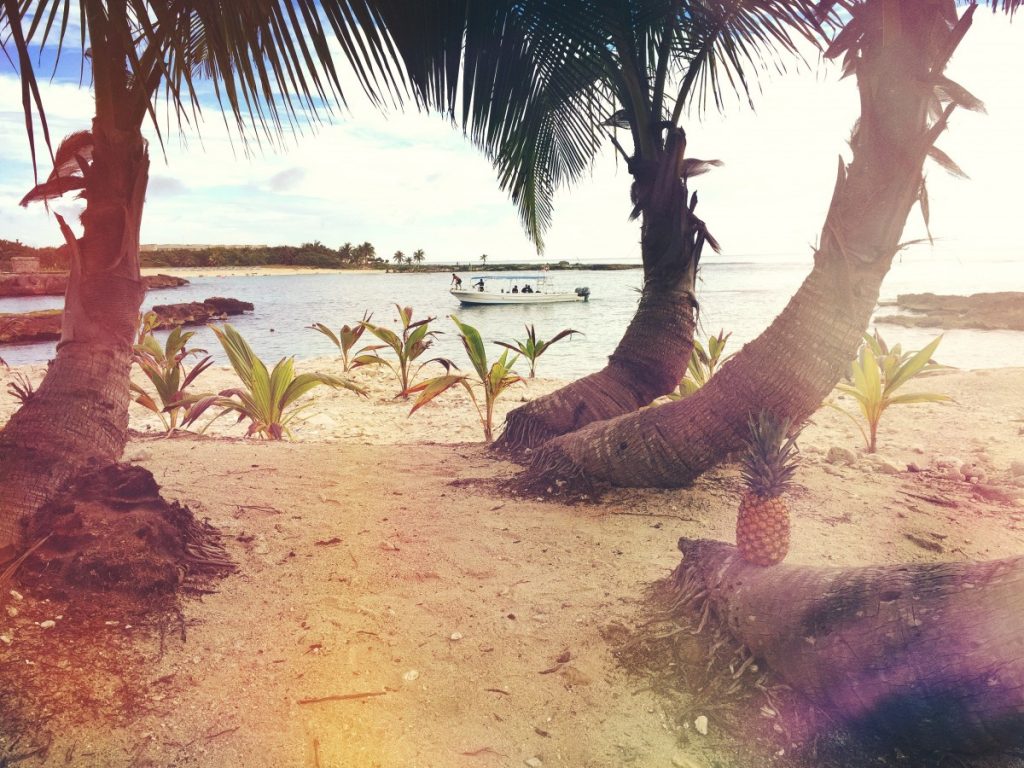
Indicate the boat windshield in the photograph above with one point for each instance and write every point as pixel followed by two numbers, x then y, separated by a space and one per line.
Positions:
pixel 509 283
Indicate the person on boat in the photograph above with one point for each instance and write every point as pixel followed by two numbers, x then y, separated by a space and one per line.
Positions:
pixel 479 284
pixel 456 281
pixel 527 289
pixel 515 289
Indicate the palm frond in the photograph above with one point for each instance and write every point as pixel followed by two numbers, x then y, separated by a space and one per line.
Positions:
pixel 272 64
pixel 725 43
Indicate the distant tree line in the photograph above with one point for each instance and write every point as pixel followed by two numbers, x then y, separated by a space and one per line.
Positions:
pixel 314 254
pixel 401 259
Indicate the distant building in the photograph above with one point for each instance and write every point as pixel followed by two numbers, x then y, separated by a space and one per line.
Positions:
pixel 24 264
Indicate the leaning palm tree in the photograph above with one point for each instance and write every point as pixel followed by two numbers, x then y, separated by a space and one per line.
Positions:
pixel 616 73
pixel 898 51
pixel 271 66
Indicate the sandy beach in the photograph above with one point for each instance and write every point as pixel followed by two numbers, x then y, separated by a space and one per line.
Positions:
pixel 378 554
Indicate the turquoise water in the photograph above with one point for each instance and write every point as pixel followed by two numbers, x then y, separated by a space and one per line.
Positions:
pixel 738 294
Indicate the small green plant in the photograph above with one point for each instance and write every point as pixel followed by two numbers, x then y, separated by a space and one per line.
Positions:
pixel 704 361
pixel 877 373
pixel 532 348
pixel 165 368
pixel 267 398
pixel 493 379
pixel 22 388
pixel 345 339
pixel 891 358
pixel 415 339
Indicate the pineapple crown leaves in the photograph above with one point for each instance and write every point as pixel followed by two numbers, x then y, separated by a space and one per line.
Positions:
pixel 771 455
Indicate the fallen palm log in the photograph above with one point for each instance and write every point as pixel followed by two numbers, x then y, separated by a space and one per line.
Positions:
pixel 928 656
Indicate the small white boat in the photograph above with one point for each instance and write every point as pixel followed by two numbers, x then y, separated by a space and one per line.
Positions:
pixel 515 289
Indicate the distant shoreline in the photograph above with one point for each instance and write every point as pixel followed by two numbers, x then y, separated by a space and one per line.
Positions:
pixel 265 270
pixel 261 271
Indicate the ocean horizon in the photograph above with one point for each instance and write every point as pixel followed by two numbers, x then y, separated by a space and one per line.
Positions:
pixel 739 294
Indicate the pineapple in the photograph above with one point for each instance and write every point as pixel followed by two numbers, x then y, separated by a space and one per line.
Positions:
pixel 762 528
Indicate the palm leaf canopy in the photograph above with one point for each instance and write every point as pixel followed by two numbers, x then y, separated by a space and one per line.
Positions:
pixel 271 64
pixel 540 84
pixel 532 81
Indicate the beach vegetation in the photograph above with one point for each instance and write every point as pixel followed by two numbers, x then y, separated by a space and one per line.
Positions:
pixel 408 346
pixel 268 399
pixel 314 254
pixel 345 339
pixel 876 374
pixel 491 378
pixel 532 348
pixel 21 388
pixel 890 359
pixel 165 367
pixel 704 361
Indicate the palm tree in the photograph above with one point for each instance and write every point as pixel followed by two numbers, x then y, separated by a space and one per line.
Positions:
pixel 346 253
pixel 365 253
pixel 418 256
pixel 898 52
pixel 271 65
pixel 566 78
pixel 398 258
pixel 483 259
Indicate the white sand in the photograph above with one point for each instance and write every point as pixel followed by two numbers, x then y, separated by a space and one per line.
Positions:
pixel 377 554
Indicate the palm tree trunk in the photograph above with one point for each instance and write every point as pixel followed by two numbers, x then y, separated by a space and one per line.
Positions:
pixel 654 351
pixel 796 362
pixel 929 655
pixel 648 362
pixel 79 414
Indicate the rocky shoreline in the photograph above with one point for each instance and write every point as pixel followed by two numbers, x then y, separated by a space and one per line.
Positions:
pixel 18 284
pixel 980 311
pixel 28 327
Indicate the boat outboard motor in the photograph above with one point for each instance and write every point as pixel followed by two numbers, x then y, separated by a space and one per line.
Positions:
pixel 584 292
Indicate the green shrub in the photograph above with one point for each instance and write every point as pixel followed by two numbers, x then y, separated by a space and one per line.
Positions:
pixel 704 361
pixel 493 379
pixel 877 373
pixel 268 399
pixel 415 339
pixel 532 348
pixel 165 369
pixel 346 338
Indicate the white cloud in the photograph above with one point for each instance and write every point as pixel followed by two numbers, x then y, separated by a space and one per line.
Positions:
pixel 289 178
pixel 407 181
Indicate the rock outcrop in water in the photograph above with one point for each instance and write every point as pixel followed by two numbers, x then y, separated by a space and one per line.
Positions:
pixel 30 327
pixel 199 313
pixel 56 283
pixel 981 311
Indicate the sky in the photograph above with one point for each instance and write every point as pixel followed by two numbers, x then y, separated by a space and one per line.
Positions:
pixel 405 180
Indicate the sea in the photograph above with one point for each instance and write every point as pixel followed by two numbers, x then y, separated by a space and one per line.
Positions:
pixel 740 295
